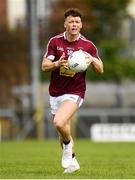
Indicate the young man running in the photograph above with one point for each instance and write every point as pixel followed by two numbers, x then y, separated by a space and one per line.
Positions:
pixel 67 88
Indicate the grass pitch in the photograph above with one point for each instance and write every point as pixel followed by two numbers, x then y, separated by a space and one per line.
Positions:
pixel 42 160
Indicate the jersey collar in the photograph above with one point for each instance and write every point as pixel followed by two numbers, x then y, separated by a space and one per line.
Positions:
pixel 76 38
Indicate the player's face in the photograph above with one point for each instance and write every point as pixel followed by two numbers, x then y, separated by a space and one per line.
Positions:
pixel 73 25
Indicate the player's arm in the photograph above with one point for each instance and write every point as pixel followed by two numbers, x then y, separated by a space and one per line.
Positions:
pixel 49 65
pixel 95 61
pixel 97 65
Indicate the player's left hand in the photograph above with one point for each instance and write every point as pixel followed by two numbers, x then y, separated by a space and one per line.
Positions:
pixel 90 59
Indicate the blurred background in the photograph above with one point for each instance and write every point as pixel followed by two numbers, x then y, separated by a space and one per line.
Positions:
pixel 108 112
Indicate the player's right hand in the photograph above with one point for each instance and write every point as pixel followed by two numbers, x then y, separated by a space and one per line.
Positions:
pixel 63 62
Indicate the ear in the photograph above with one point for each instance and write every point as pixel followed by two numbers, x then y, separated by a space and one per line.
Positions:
pixel 64 25
pixel 81 26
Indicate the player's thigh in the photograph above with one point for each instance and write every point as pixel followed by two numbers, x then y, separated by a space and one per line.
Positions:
pixel 66 111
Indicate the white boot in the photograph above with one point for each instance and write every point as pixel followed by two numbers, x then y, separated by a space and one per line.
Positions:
pixel 74 166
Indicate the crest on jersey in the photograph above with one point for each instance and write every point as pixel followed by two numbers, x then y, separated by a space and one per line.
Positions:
pixel 69 51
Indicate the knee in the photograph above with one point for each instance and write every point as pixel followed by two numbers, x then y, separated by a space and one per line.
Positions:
pixel 58 124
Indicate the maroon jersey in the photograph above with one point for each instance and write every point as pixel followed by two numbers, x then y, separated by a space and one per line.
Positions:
pixel 65 81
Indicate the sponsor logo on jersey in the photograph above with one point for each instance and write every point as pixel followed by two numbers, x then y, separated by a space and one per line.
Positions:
pixel 60 48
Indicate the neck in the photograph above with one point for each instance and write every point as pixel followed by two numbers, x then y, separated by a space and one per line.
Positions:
pixel 70 37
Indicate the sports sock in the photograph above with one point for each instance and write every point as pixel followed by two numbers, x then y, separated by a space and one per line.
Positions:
pixel 66 142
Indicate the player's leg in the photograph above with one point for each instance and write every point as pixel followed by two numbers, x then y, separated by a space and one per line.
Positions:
pixel 55 104
pixel 62 119
pixel 62 123
pixel 61 139
pixel 61 143
pixel 74 166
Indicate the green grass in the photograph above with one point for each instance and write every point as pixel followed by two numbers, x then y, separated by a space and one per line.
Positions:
pixel 41 159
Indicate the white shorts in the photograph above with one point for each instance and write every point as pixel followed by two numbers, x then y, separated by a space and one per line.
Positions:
pixel 56 101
